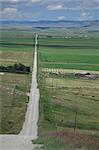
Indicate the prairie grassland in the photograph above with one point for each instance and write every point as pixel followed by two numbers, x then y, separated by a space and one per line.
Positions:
pixel 12 40
pixel 16 47
pixel 12 57
pixel 14 101
pixel 70 58
pixel 71 42
pixel 68 105
pixel 73 53
pixel 63 99
pixel 70 93
pixel 66 71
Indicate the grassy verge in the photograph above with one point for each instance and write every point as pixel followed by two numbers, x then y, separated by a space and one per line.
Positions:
pixel 13 102
pixel 67 140
pixel 57 115
pixel 64 97
pixel 16 47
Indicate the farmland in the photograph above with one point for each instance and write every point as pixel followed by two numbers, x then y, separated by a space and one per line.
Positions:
pixel 68 105
pixel 71 53
pixel 15 48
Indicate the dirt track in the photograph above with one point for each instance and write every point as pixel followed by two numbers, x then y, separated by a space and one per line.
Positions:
pixel 30 128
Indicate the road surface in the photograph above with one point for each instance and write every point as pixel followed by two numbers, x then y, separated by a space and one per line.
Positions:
pixel 22 141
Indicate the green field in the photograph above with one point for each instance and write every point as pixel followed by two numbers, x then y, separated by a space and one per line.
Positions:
pixel 16 47
pixel 13 89
pixel 73 41
pixel 18 40
pixel 68 105
pixel 74 53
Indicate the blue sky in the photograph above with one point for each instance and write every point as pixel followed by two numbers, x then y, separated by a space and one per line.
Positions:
pixel 49 9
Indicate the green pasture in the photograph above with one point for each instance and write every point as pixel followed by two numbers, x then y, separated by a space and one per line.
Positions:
pixel 12 57
pixel 84 59
pixel 69 94
pixel 68 105
pixel 74 53
pixel 13 99
pixel 16 40
pixel 62 97
pixel 88 42
pixel 70 58
pixel 16 32
pixel 16 47
pixel 81 66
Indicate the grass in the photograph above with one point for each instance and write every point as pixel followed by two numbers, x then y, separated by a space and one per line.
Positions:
pixel 70 58
pixel 12 57
pixel 91 41
pixel 67 95
pixel 16 33
pixel 61 96
pixel 16 47
pixel 46 106
pixel 27 49
pixel 67 140
pixel 72 92
pixel 13 102
pixel 73 53
pixel 64 96
pixel 82 66
pixel 16 41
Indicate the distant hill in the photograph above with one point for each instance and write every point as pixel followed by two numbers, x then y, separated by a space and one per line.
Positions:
pixel 49 23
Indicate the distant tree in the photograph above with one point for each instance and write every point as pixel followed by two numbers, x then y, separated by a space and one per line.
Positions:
pixel 16 68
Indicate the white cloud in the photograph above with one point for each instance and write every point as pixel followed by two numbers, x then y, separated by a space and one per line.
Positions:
pixel 73 5
pixel 20 1
pixel 13 1
pixel 84 8
pixel 60 4
pixel 9 11
pixel 10 1
pixel 61 18
pixel 86 16
pixel 56 7
pixel 36 1
pixel 89 4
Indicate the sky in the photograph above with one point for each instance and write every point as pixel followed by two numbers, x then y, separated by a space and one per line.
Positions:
pixel 34 10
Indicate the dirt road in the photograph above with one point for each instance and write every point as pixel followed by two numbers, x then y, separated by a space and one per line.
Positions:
pixel 30 124
pixel 30 128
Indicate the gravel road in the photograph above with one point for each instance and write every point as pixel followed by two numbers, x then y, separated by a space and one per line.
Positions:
pixel 22 141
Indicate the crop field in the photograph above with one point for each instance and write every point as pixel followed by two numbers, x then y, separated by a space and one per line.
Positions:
pixel 13 57
pixel 17 41
pixel 16 47
pixel 69 106
pixel 72 53
pixel 14 101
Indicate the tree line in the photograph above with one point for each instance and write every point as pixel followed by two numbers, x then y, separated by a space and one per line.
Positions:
pixel 16 68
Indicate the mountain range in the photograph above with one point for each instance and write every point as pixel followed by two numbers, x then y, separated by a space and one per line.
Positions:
pixel 49 23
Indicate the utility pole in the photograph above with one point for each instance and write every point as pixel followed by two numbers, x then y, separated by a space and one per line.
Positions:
pixel 52 85
pixel 75 120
